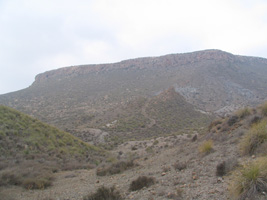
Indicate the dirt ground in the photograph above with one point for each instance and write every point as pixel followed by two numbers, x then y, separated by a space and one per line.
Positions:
pixel 155 158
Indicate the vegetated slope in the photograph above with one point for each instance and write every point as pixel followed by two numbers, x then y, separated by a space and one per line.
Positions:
pixel 172 113
pixel 209 166
pixel 211 80
pixel 167 113
pixel 27 143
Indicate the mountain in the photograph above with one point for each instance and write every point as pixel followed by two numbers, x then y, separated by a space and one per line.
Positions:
pixel 211 81
pixel 31 148
pixel 164 114
pixel 227 162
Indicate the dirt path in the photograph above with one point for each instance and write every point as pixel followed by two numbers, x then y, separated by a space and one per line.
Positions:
pixel 143 111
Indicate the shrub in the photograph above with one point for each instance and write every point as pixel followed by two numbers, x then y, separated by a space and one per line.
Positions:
pixel 226 166
pixel 140 182
pixel 166 168
pixel 29 175
pixel 9 178
pixel 179 165
pixel 250 180
pixel 206 147
pixel 115 168
pixel 232 120
pixel 264 109
pixel 104 193
pixel 221 169
pixel 194 138
pixel 254 138
pixel 244 112
pixel 155 142
pixel 214 123
pixel 254 120
pixel 37 183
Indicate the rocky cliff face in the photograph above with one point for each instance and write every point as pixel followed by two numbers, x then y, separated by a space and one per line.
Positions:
pixel 144 63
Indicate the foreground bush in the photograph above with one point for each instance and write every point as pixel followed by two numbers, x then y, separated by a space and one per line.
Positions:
pixel 250 180
pixel 256 136
pixel 206 147
pixel 115 168
pixel 104 193
pixel 140 182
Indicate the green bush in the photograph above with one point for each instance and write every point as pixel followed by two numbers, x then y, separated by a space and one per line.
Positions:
pixel 256 136
pixel 104 193
pixel 249 180
pixel 140 182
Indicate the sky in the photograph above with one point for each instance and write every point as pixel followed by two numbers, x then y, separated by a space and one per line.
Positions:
pixel 42 35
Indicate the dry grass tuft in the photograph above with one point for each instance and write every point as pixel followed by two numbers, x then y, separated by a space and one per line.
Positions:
pixel 206 147
pixel 256 136
pixel 250 180
pixel 264 109
pixel 244 112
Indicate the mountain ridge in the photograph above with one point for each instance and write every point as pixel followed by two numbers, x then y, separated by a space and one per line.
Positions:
pixel 205 54
pixel 212 81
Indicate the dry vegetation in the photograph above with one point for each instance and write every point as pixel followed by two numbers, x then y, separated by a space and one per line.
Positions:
pixel 104 193
pixel 254 138
pixel 31 151
pixel 141 182
pixel 115 168
pixel 250 180
pixel 206 147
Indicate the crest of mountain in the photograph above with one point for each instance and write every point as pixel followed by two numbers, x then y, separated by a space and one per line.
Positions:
pixel 212 81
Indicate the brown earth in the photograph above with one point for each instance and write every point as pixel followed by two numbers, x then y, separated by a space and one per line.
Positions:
pixel 196 181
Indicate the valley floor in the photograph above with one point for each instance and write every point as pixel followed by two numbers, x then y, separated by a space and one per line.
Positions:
pixel 197 181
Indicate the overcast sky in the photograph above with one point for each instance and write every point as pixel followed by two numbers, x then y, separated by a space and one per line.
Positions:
pixel 41 35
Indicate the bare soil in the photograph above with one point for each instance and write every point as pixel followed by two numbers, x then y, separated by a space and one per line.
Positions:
pixel 156 159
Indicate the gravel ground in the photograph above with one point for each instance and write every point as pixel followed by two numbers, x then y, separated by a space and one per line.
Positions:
pixel 196 181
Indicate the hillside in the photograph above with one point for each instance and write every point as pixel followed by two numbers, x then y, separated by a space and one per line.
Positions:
pixel 212 81
pixel 26 143
pixel 229 161
pixel 167 113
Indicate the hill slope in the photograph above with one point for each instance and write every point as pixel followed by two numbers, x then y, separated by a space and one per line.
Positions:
pixel 180 167
pixel 211 80
pixel 167 113
pixel 27 143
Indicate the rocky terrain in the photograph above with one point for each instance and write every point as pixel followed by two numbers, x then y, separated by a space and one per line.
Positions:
pixel 177 164
pixel 76 97
pixel 176 123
